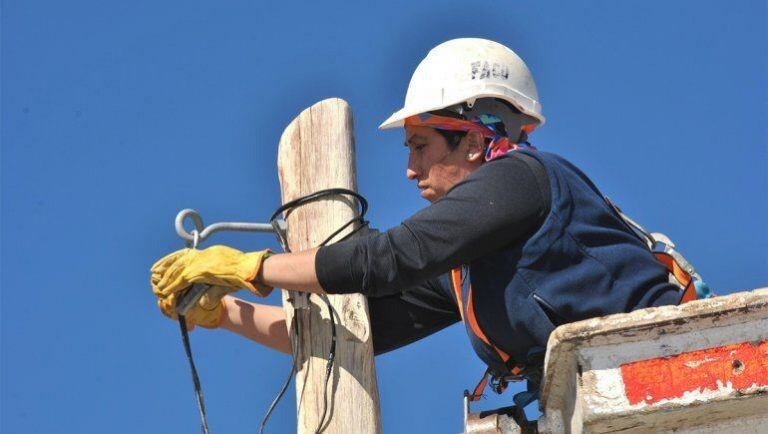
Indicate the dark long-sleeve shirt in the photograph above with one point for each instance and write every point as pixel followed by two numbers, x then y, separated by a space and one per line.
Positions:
pixel 403 270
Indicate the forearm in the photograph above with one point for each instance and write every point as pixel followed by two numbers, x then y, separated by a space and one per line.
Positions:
pixel 295 271
pixel 258 322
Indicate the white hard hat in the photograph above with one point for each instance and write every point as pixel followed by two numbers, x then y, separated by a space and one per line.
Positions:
pixel 464 70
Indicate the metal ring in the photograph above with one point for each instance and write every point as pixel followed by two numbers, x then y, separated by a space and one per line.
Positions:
pixel 179 223
pixel 195 238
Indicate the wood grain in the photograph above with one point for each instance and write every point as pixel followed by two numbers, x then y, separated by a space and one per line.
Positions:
pixel 316 152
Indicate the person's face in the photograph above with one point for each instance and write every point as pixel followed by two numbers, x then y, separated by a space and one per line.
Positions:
pixel 435 167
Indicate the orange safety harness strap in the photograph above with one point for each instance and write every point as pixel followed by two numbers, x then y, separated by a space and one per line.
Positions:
pixel 471 319
pixel 682 276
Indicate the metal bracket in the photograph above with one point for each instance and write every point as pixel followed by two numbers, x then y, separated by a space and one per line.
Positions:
pixel 278 226
pixel 299 300
pixel 190 298
pixel 201 233
pixel 205 232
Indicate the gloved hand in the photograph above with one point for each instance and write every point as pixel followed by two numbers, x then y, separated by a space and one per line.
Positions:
pixel 217 265
pixel 207 312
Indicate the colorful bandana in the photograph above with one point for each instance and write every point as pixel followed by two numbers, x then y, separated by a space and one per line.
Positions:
pixel 487 125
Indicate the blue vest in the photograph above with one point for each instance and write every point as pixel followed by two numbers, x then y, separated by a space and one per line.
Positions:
pixel 581 263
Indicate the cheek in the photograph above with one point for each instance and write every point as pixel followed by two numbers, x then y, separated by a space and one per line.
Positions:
pixel 432 159
pixel 437 161
pixel 440 176
pixel 430 168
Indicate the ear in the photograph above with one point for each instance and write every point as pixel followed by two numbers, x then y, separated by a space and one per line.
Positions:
pixel 475 147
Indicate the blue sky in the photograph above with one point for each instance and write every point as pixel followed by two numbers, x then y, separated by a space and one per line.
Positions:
pixel 116 115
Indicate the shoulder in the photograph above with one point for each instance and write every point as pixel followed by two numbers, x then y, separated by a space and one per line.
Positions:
pixel 521 170
pixel 514 163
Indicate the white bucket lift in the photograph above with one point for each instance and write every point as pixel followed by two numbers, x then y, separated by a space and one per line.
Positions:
pixel 701 367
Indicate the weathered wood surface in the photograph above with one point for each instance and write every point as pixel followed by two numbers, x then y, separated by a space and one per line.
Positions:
pixel 693 362
pixel 317 152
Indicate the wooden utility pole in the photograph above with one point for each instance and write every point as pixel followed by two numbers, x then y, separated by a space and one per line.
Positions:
pixel 317 152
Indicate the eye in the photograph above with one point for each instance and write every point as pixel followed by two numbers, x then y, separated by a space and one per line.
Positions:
pixel 419 146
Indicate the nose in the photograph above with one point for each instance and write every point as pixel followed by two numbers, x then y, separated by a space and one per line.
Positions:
pixel 410 174
pixel 410 171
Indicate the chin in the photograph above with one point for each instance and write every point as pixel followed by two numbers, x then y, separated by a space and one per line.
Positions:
pixel 429 195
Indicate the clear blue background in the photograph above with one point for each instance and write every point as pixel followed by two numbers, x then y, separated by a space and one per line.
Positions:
pixel 116 115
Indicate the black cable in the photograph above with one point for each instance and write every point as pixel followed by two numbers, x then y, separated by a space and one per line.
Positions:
pixel 277 398
pixel 328 366
pixel 287 208
pixel 195 378
pixel 332 351
pixel 312 197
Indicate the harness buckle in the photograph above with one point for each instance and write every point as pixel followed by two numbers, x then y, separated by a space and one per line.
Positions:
pixel 499 383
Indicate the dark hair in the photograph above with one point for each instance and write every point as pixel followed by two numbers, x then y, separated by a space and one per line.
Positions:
pixel 452 137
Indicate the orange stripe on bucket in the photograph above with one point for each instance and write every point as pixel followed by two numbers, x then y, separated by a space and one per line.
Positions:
pixel 743 365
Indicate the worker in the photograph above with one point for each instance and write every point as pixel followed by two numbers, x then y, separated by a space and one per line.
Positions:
pixel 515 241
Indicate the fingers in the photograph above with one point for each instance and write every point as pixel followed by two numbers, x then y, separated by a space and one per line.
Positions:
pixel 159 270
pixel 178 271
pixel 168 307
pixel 172 278
pixel 216 265
pixel 163 263
pixel 171 283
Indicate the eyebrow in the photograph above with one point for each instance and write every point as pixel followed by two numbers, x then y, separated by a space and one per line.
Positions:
pixel 415 136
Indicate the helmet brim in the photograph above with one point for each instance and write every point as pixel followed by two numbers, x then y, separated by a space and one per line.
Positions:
pixel 397 119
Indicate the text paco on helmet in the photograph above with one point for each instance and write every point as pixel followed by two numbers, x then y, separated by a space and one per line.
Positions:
pixel 464 70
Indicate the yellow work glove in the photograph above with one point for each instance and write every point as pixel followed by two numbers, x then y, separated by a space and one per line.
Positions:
pixel 217 266
pixel 207 312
